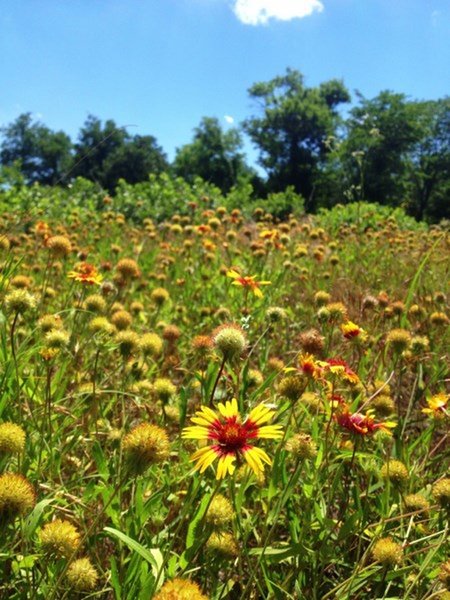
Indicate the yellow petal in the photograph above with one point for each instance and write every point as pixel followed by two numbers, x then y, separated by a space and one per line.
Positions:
pixel 271 432
pixel 195 433
pixel 225 466
pixel 229 409
pixel 260 414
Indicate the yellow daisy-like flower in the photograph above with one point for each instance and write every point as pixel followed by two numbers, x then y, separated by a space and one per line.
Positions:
pixel 437 406
pixel 231 437
pixel 247 282
pixel 350 330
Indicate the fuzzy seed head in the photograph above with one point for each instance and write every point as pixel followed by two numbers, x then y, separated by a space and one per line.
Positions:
pixel 19 301
pixel 180 589
pixel 81 575
pixel 57 338
pixel 229 340
pixel 398 339
pixel 292 386
pixel 441 492
pixel 415 502
pixel 59 246
pixel 159 296
pixel 128 269
pixel 395 471
pixel 164 389
pixel 17 496
pixel 12 439
pixel 387 552
pixel 121 319
pixel 59 538
pixel 95 303
pixel 302 446
pixel 146 445
pixel 150 344
pixel 222 544
pixel 220 512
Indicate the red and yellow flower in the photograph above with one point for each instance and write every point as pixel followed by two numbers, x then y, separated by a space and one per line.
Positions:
pixel 248 282
pixel 231 437
pixel 362 424
pixel 340 368
pixel 85 273
pixel 350 331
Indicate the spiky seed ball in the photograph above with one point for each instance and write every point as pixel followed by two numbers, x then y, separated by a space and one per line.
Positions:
pixel 4 243
pixel 415 502
pixel 136 307
pixel 59 538
pixel 387 552
pixel 369 302
pixel 128 269
pixel 57 338
pixel 395 471
pixel 128 342
pixel 292 386
pixel 81 575
pixel 180 589
pixel 275 364
pixel 419 343
pixel 49 322
pixel 95 303
pixel 202 344
pixel 383 405
pixel 229 340
pixel 121 319
pixel 222 544
pixel 439 319
pixel 164 389
pixel 441 492
pixel 398 339
pixel 59 245
pixel 12 439
pixel 220 512
pixel 337 311
pixel 17 496
pixel 101 324
pixel 159 296
pixel 312 342
pixel 302 445
pixel 145 445
pixel 150 344
pixel 21 282
pixel 19 301
pixel 254 378
pixel 171 333
pixel 275 314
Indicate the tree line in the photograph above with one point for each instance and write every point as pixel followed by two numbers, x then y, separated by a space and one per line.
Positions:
pixel 389 149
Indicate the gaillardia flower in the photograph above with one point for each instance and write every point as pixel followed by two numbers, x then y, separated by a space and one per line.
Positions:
pixel 85 273
pixel 248 282
pixel 231 438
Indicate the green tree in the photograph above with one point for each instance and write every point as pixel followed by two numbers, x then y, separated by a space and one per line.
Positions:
pixel 214 155
pixel 96 143
pixel 106 153
pixel 292 130
pixel 133 161
pixel 381 133
pixel 41 154
pixel 428 164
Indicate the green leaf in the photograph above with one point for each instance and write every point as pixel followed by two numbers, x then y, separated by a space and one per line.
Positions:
pixel 153 555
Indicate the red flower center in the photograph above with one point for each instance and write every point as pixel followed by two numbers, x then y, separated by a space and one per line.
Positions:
pixel 232 436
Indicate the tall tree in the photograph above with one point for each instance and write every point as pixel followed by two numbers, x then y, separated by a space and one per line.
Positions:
pixel 133 161
pixel 43 155
pixel 214 155
pixel 381 132
pixel 106 153
pixel 428 164
pixel 96 142
pixel 292 129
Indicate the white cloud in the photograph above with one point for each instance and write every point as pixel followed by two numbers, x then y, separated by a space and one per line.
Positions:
pixel 258 12
pixel 435 17
pixel 229 119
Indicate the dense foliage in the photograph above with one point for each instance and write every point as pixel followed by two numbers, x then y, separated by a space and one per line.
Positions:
pixel 389 149
pixel 201 405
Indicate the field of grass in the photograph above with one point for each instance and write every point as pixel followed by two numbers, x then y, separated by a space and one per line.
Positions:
pixel 222 407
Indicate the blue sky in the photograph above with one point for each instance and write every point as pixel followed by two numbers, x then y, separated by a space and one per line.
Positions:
pixel 161 65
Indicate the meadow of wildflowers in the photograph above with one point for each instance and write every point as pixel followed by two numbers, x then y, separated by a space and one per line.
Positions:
pixel 219 406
